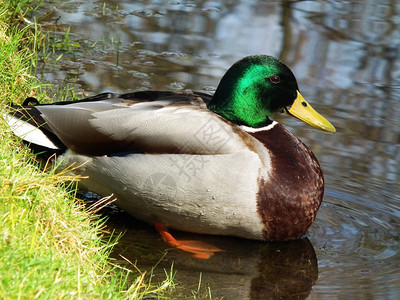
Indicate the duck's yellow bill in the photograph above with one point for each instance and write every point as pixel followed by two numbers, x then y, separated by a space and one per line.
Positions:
pixel 303 111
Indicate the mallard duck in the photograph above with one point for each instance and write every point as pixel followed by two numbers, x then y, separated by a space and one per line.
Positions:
pixel 211 164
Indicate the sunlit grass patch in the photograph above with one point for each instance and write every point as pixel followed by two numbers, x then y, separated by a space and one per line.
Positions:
pixel 49 245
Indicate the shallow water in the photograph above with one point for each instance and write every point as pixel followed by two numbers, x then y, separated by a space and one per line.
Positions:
pixel 346 57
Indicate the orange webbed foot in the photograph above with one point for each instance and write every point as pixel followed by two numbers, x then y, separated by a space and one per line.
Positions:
pixel 199 249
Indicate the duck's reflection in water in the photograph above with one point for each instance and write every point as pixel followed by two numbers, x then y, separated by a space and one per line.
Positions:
pixel 285 271
pixel 246 269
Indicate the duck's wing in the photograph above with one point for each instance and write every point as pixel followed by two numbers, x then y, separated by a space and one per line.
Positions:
pixel 146 122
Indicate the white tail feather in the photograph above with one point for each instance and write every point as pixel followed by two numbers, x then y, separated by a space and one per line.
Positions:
pixel 28 132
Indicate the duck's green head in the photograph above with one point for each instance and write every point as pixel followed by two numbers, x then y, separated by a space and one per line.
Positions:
pixel 257 87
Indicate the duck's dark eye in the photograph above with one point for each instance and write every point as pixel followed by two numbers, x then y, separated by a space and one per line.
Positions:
pixel 275 79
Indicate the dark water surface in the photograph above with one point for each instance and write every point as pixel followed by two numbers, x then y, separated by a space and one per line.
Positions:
pixel 346 57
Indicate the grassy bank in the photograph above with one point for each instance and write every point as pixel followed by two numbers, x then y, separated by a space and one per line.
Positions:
pixel 50 246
